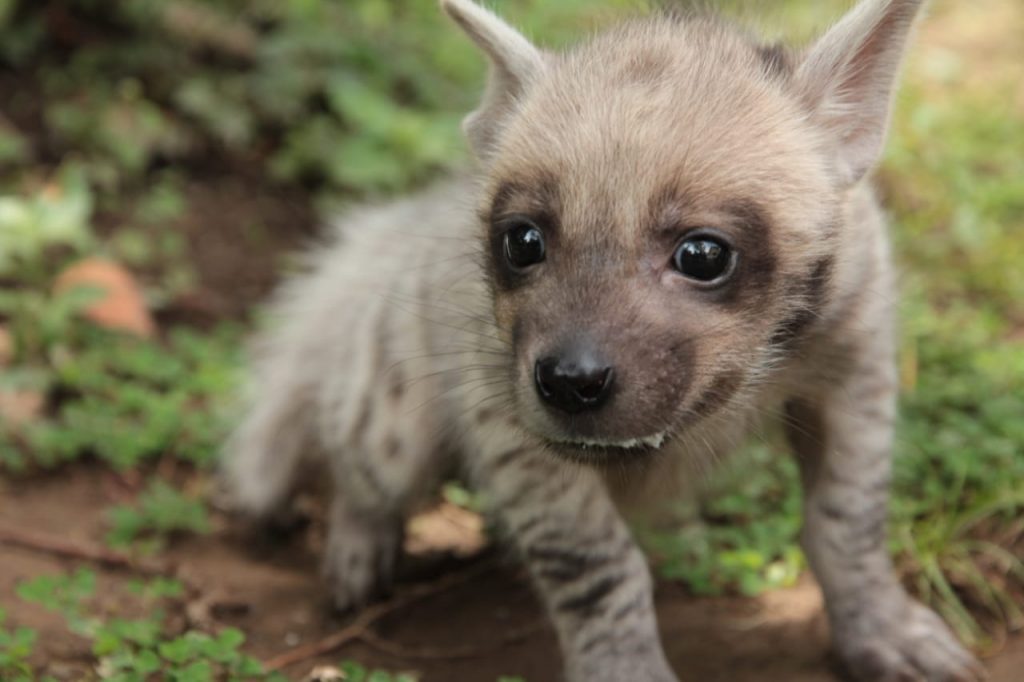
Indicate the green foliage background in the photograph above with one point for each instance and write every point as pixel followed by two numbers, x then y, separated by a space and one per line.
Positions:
pixel 111 108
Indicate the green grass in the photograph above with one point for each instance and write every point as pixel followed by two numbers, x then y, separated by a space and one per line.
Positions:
pixel 160 512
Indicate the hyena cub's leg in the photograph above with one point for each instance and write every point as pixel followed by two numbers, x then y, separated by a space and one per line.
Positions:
pixel 364 530
pixel 591 576
pixel 263 456
pixel 385 461
pixel 844 444
pixel 357 421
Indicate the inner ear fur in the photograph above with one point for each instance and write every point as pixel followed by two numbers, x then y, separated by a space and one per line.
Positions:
pixel 848 77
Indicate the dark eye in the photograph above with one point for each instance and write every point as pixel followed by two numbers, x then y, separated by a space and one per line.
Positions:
pixel 703 258
pixel 524 245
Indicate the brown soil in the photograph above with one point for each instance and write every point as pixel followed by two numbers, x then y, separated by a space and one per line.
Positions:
pixel 275 595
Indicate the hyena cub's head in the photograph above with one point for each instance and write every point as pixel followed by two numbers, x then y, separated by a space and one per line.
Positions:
pixel 663 206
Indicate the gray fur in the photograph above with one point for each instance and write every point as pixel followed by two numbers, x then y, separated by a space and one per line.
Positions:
pixel 404 353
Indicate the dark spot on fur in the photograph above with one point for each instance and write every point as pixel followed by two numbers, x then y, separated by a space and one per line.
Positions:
pixel 718 394
pixel 646 68
pixel 750 286
pixel 600 639
pixel 758 265
pixel 507 457
pixel 831 511
pixel 809 295
pixel 775 60
pixel 629 607
pixel 589 601
pixel 361 424
pixel 396 384
pixel 392 447
pixel 528 525
pixel 557 564
pixel 537 196
pixel 369 476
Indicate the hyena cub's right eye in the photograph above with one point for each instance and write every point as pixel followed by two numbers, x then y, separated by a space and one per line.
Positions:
pixel 524 244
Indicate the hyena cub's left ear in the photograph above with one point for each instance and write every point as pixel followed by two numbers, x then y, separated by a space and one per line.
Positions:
pixel 848 77
pixel 515 63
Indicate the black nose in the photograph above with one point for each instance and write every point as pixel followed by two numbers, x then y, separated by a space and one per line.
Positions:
pixel 574 383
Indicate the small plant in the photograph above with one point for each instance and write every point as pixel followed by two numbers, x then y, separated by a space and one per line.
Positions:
pixel 135 650
pixel 161 511
pixel 63 594
pixel 15 648
pixel 54 214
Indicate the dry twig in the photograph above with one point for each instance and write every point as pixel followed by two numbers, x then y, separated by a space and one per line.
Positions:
pixel 448 653
pixel 361 629
pixel 69 549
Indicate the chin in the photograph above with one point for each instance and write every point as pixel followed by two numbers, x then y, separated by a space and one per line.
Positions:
pixel 595 451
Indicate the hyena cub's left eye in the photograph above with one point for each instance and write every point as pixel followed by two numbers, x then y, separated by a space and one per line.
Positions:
pixel 524 244
pixel 703 258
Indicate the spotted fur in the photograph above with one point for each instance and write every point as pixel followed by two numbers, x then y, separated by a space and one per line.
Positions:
pixel 408 348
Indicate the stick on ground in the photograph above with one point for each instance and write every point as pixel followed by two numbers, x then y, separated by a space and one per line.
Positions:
pixel 360 629
pixel 70 549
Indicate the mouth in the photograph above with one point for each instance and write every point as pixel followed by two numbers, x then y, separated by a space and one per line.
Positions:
pixel 591 450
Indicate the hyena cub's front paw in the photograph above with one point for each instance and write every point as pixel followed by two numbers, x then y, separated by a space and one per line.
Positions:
pixel 914 647
pixel 359 558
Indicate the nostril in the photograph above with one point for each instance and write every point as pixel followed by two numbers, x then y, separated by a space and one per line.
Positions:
pixel 544 376
pixel 592 386
pixel 572 386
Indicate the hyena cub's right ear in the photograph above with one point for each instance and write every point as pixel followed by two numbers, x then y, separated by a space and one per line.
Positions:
pixel 515 63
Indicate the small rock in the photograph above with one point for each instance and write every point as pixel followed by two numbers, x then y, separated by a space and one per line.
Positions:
pixel 447 528
pixel 122 306
pixel 325 673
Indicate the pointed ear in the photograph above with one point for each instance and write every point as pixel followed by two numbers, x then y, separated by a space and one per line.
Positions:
pixel 848 77
pixel 515 63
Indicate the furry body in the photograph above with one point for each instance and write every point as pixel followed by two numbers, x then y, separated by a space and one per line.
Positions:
pixel 408 350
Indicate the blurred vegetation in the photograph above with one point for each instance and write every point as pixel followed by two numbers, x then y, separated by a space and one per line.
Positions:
pixel 134 649
pixel 360 96
pixel 109 109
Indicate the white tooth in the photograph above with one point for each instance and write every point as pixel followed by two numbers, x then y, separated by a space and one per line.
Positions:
pixel 654 441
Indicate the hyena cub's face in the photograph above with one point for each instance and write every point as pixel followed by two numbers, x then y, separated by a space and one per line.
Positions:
pixel 657 212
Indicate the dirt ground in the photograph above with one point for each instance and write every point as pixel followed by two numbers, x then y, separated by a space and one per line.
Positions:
pixel 484 625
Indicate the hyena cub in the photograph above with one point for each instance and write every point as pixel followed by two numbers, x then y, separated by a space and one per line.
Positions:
pixel 669 234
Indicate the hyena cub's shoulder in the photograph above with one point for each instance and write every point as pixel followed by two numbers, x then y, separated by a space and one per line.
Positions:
pixel 667 231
